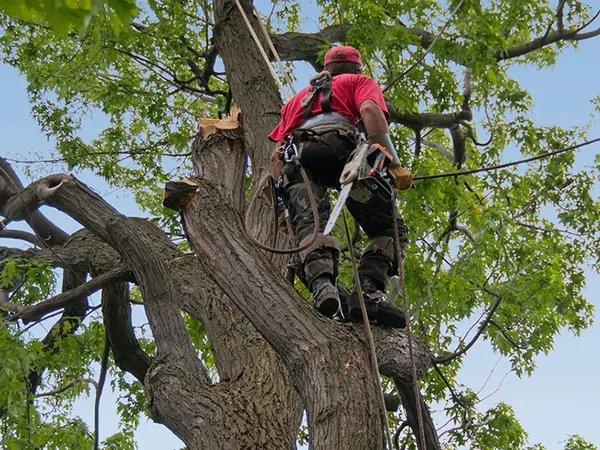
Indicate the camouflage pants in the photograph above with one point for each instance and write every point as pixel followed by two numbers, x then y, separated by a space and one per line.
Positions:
pixel 324 162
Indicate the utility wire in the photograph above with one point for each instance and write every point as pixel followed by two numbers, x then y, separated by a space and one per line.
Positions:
pixel 509 164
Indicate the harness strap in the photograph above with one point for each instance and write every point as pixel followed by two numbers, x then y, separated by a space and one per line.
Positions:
pixel 319 83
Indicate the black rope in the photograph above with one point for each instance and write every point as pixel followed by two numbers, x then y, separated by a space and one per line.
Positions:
pixel 315 212
pixel 509 164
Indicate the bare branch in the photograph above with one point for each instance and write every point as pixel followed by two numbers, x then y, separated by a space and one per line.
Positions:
pixel 548 39
pixel 36 312
pixel 22 236
pixel 507 337
pixel 127 352
pixel 439 147
pixel 482 327
pixel 66 387
pixel 5 303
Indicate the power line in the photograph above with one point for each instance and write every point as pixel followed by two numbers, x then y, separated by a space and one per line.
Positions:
pixel 509 164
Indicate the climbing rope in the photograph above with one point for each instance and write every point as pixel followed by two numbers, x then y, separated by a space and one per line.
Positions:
pixel 272 48
pixel 315 212
pixel 260 47
pixel 371 342
pixel 400 268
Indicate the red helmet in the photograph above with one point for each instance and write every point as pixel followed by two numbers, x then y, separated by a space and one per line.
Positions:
pixel 344 53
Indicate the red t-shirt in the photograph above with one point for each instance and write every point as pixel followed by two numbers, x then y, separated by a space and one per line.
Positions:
pixel 348 91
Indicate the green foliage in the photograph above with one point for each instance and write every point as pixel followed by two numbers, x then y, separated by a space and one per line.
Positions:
pixel 64 15
pixel 29 280
pixel 531 230
pixel 576 442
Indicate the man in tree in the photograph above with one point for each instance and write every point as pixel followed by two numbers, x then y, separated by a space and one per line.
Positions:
pixel 321 121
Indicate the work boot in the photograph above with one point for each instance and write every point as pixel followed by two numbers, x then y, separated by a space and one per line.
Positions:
pixel 320 270
pixel 378 310
pixel 326 298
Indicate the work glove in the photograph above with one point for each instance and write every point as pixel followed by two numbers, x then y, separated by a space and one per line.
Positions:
pixel 402 178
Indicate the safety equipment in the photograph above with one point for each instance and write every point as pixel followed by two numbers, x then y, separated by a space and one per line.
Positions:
pixel 378 309
pixel 343 53
pixel 320 262
pixel 319 83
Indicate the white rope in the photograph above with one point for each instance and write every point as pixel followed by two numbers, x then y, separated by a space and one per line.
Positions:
pixel 259 45
pixel 272 47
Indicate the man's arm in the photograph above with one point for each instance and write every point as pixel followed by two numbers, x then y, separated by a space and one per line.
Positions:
pixel 375 123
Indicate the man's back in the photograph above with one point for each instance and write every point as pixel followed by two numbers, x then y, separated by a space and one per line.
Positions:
pixel 348 92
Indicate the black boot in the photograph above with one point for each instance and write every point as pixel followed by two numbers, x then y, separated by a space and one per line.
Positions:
pixel 378 310
pixel 320 270
pixel 326 298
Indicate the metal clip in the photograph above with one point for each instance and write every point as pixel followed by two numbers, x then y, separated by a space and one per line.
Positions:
pixel 290 151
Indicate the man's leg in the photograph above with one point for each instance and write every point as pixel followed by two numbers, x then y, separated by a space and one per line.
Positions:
pixel 378 262
pixel 320 260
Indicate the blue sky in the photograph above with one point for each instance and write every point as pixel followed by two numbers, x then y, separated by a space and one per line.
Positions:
pixel 562 395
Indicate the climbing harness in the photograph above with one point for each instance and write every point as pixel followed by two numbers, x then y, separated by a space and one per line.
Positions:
pixel 290 155
pixel 319 83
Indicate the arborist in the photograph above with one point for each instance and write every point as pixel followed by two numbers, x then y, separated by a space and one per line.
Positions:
pixel 322 121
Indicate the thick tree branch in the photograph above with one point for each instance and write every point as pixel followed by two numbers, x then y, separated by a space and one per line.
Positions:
pixel 409 402
pixel 306 46
pixel 22 236
pixel 10 185
pixel 116 309
pixel 5 303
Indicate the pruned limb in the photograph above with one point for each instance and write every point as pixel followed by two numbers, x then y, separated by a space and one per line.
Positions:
pixel 10 186
pixel 36 312
pixel 393 354
pixel 22 205
pixel 409 402
pixel 127 352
